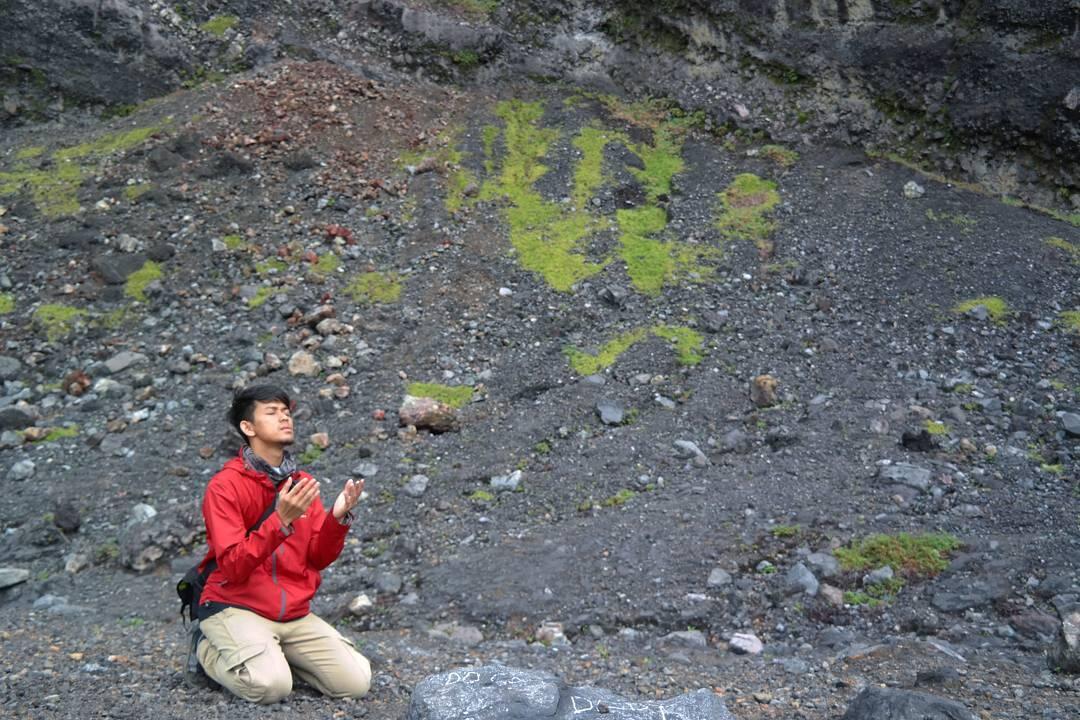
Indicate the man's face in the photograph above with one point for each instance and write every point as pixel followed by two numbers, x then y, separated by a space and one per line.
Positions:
pixel 271 423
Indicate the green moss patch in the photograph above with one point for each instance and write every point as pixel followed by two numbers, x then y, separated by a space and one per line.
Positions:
pixel 1070 320
pixel 454 396
pixel 264 293
pixel 273 265
pixel 57 320
pixel 936 428
pixel 233 242
pixel 55 189
pixel 219 25
pixel 136 191
pixel 687 342
pixel 30 152
pixel 548 239
pixel 996 308
pixel 779 155
pixel 745 206
pixel 375 288
pixel 7 303
pixel 310 455
pixel 913 555
pixel 135 287
pixel 620 498
pixel 481 496
pixel 59 433
pixel 326 264
pixel 1073 251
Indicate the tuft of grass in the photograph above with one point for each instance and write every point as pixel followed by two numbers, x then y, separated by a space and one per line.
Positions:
pixel 326 265
pixel 454 396
pixel 780 155
pixel 375 288
pixel 7 303
pixel 1070 320
pixel 233 242
pixel 68 431
pixel 219 25
pixel 996 307
pixel 542 448
pixel 32 151
pixel 134 192
pixel 913 555
pixel 264 293
pixel 57 320
pixel 745 204
pixel 135 286
pixel 310 455
pixel 784 531
pixel 465 58
pixel 273 265
pixel 620 498
pixel 1073 251
pixel 481 496
pixel 936 428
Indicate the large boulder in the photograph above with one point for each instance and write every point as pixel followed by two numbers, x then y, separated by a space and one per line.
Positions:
pixel 493 692
pixel 1065 656
pixel 889 704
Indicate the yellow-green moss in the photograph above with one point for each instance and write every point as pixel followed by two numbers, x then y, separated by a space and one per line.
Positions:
pixel 913 555
pixel 57 320
pixel 745 203
pixel 264 293
pixel 964 222
pixel 490 134
pixel 996 308
pixel 620 498
pixel 779 155
pixel 30 152
pixel 114 319
pixel 687 341
pixel 936 428
pixel 454 396
pixel 662 160
pixel 310 455
pixel 54 190
pixel 67 431
pixel 135 286
pixel 134 192
pixel 7 303
pixel 375 288
pixel 326 264
pixel 481 496
pixel 219 25
pixel 1070 320
pixel 1071 250
pixel 588 173
pixel 233 242
pixel 272 265
pixel 585 364
pixel 549 240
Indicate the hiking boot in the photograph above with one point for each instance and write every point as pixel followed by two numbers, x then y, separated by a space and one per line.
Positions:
pixel 194 675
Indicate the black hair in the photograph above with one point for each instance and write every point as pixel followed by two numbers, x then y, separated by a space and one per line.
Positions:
pixel 243 404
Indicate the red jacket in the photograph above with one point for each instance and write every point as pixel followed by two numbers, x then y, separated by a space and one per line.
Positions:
pixel 270 572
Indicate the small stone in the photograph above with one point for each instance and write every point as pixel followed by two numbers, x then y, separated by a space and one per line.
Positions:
pixel 14 419
pixel 913 190
pixel 388 583
pixel 745 644
pixel 882 574
pixel 824 564
pixel 763 391
pixel 610 412
pixel 427 413
pixel 361 605
pixel 320 440
pixel 551 633
pixel 506 483
pixel 833 595
pixel 123 360
pixel 22 470
pixel 799 579
pixel 690 638
pixel 142 512
pixel 1065 655
pixel 718 578
pixel 303 363
pixel 735 441
pixel 76 562
pixel 416 486
pixel 9 368
pixel 906 474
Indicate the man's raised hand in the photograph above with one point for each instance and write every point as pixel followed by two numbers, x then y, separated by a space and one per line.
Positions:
pixel 295 498
pixel 348 498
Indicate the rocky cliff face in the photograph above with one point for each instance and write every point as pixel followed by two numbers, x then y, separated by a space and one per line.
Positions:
pixel 984 90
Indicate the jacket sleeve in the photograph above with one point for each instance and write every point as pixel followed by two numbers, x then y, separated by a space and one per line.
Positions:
pixel 327 540
pixel 237 556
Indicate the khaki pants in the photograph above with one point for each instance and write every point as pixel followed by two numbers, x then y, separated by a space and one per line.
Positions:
pixel 255 658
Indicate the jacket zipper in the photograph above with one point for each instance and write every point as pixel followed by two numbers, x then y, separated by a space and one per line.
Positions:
pixel 274 579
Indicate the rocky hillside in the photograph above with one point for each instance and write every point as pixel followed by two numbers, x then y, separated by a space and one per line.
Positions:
pixel 644 398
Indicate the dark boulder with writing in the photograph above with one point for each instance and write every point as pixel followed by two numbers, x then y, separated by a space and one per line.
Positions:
pixel 493 692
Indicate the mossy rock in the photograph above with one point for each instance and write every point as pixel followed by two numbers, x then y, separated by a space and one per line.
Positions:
pixel 58 321
pixel 375 288
pixel 135 286
pixel 996 308
pixel 454 396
